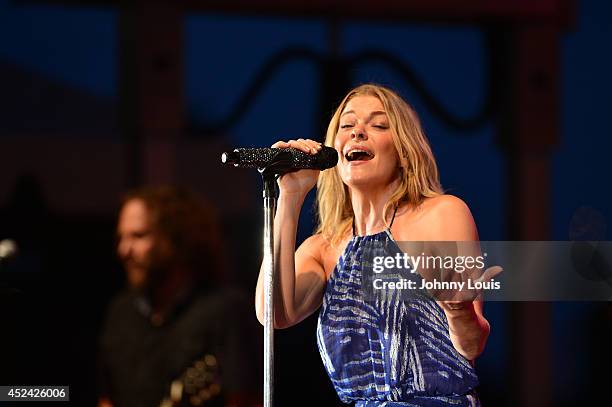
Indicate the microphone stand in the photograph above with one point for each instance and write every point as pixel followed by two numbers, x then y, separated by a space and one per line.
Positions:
pixel 279 161
pixel 270 196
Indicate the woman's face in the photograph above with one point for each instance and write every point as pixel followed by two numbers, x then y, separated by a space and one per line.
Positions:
pixel 367 154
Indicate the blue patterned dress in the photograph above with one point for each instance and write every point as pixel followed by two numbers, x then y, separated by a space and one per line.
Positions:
pixel 381 349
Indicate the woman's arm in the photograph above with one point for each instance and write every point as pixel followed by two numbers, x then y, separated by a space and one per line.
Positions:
pixel 451 220
pixel 300 277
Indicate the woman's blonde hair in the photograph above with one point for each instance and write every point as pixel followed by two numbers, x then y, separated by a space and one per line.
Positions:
pixel 418 170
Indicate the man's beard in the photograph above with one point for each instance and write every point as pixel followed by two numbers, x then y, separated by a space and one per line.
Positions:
pixel 145 276
pixel 136 274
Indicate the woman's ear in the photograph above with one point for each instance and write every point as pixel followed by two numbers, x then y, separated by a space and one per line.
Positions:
pixel 404 162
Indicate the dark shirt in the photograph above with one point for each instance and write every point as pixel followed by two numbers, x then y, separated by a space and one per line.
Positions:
pixel 139 359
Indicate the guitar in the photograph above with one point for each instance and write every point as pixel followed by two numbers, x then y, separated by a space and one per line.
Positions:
pixel 198 385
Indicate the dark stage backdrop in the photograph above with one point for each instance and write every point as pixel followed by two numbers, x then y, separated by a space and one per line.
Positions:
pixel 62 167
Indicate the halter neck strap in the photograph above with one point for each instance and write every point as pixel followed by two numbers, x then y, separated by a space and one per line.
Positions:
pixel 390 225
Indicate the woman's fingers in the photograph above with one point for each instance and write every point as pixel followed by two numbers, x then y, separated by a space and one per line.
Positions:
pixel 490 273
pixel 305 145
pixel 453 305
pixel 315 145
pixel 301 145
pixel 487 275
pixel 280 144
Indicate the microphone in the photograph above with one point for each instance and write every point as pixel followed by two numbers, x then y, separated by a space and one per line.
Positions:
pixel 8 249
pixel 281 160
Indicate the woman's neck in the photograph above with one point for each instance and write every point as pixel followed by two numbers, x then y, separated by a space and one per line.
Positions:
pixel 368 208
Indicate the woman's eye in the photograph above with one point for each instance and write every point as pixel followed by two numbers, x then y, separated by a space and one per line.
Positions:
pixel 346 126
pixel 381 126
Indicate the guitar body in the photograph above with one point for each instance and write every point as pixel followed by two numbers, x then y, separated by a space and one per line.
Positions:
pixel 198 385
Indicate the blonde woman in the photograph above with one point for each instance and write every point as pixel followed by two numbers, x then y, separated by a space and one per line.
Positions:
pixel 385 188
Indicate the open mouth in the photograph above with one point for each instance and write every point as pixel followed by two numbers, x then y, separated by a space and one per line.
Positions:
pixel 358 155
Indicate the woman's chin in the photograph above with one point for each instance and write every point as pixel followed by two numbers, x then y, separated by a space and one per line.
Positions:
pixel 360 180
pixel 367 179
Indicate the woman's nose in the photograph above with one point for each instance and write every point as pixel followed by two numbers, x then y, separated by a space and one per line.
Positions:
pixel 359 133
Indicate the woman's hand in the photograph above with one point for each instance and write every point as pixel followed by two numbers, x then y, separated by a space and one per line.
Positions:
pixel 302 181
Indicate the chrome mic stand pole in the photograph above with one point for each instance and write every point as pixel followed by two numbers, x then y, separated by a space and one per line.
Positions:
pixel 270 195
pixel 276 162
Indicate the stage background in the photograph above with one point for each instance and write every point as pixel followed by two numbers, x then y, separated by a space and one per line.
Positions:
pixel 65 160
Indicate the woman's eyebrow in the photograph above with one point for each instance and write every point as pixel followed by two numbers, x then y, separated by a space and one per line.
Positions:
pixel 377 113
pixel 374 113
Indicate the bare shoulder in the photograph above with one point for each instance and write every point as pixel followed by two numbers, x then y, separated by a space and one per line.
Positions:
pixel 451 219
pixel 444 217
pixel 443 206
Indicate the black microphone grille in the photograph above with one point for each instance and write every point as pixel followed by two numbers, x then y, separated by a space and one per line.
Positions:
pixel 329 157
pixel 324 159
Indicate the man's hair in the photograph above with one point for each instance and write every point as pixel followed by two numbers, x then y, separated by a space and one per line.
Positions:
pixel 188 223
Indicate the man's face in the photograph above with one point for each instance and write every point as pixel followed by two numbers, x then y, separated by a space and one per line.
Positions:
pixel 140 249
